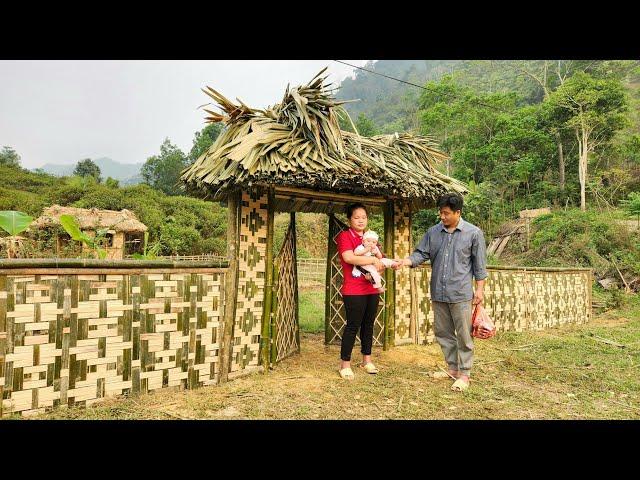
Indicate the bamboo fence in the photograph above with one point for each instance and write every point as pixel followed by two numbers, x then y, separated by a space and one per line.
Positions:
pixel 82 330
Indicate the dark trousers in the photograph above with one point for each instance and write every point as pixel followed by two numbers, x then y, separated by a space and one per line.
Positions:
pixel 361 313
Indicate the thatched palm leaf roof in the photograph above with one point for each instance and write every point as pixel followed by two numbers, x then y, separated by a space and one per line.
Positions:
pixel 298 143
pixel 92 218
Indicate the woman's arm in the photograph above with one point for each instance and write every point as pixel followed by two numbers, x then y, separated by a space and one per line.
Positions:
pixel 360 250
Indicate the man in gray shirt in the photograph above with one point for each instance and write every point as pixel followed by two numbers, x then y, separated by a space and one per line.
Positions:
pixel 457 253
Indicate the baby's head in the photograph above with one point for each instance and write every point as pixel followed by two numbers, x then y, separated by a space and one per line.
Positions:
pixel 370 238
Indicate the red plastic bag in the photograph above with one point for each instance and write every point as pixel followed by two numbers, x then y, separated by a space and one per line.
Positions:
pixel 481 324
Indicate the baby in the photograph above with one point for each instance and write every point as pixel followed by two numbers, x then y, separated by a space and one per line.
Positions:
pixel 370 248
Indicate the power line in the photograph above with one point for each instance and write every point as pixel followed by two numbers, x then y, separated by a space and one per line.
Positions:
pixel 420 86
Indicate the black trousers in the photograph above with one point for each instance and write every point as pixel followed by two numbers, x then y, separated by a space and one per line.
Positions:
pixel 361 314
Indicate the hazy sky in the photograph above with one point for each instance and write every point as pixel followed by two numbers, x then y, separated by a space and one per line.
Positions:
pixel 64 111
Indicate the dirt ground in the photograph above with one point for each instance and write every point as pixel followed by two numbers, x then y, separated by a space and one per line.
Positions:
pixel 559 373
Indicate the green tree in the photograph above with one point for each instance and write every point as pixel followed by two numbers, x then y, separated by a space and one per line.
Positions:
pixel 365 126
pixel 204 139
pixel 548 75
pixel 632 205
pixel 9 157
pixel 162 171
pixel 87 168
pixel 593 110
pixel 442 113
pixel 112 182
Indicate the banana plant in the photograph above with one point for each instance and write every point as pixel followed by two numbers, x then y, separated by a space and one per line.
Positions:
pixel 13 223
pixel 149 253
pixel 72 227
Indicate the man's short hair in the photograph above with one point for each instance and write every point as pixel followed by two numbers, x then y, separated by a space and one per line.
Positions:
pixel 452 200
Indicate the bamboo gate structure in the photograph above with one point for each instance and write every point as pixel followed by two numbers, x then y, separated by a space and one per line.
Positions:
pixel 293 157
pixel 75 331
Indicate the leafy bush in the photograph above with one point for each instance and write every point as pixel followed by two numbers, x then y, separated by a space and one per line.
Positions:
pixel 584 239
pixel 177 239
pixel 103 197
pixel 25 201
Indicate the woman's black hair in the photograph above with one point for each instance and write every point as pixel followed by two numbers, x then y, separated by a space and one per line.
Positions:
pixel 353 207
pixel 452 200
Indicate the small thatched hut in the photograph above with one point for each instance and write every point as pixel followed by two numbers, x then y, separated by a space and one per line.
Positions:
pixel 294 157
pixel 125 233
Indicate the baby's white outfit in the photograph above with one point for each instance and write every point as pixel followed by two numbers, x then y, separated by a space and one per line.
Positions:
pixel 370 268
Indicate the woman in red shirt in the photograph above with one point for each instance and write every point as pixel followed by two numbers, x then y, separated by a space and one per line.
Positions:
pixel 359 295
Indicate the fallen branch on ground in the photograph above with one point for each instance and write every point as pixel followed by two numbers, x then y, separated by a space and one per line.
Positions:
pixel 446 372
pixel 607 341
pixel 175 415
pixel 626 285
pixel 481 364
pixel 625 405
pixel 523 347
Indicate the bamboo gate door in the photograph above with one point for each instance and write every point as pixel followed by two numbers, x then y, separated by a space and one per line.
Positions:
pixel 285 325
pixel 335 317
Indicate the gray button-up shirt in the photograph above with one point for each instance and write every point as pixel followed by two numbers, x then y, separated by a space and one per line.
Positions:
pixel 454 257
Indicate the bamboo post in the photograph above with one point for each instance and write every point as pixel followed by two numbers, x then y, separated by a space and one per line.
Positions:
pixel 3 335
pixel 389 310
pixel 231 284
pixel 413 287
pixel 273 325
pixel 414 306
pixel 590 280
pixel 268 288
pixel 295 278
pixel 327 290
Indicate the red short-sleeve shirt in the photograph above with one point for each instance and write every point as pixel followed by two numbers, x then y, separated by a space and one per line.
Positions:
pixel 349 240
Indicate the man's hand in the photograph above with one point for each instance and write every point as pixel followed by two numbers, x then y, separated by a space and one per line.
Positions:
pixel 478 296
pixel 398 263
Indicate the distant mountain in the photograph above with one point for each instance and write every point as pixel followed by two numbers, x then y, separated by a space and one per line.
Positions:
pixel 132 180
pixel 391 105
pixel 126 173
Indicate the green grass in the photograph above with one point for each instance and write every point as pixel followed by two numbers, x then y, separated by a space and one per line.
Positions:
pixel 311 310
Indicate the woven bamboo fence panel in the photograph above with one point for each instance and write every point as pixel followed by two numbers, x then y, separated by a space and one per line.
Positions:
pixel 519 299
pixel 251 280
pixel 402 249
pixel 72 339
pixel 336 312
pixel 287 330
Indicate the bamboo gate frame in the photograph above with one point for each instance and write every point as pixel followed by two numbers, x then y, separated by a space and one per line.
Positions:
pixel 405 315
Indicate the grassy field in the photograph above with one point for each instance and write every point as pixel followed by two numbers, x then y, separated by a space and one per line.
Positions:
pixel 311 309
pixel 561 373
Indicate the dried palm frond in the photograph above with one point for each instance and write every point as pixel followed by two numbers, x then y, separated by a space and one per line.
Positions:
pixel 298 142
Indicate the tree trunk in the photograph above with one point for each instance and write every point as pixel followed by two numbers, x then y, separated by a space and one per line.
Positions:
pixel 448 156
pixel 231 285
pixel 583 151
pixel 560 161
